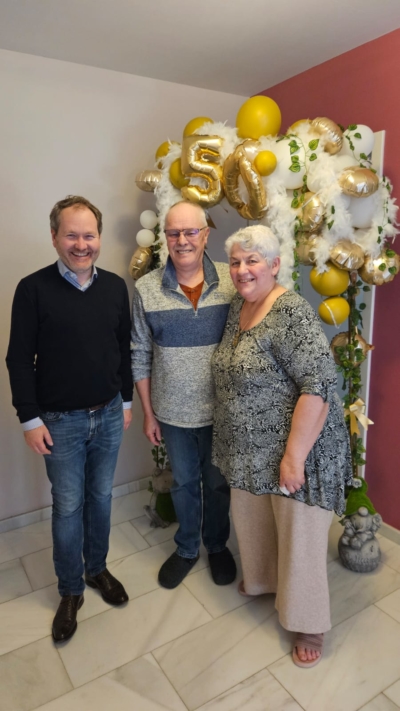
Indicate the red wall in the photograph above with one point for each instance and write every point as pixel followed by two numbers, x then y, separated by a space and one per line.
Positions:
pixel 363 86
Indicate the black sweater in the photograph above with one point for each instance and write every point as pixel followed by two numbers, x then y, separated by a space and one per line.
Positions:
pixel 69 349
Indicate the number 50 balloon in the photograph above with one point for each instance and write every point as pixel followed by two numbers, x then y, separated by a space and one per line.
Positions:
pixel 240 163
pixel 200 159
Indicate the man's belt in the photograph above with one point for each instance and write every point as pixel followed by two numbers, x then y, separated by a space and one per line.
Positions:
pixel 95 407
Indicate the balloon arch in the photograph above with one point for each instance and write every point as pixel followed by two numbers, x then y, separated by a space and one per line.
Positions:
pixel 314 186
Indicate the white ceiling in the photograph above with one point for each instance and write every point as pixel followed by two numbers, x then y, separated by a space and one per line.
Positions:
pixel 235 46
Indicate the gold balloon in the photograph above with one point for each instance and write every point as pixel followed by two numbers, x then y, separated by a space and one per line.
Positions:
pixel 311 212
pixel 358 182
pixel 376 271
pixel 201 157
pixel 148 180
pixel 341 341
pixel 329 129
pixel 265 162
pixel 240 163
pixel 194 124
pixel 334 310
pixel 347 255
pixel 329 283
pixel 305 250
pixel 140 262
pixel 176 175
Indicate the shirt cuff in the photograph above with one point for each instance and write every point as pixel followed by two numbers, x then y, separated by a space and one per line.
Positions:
pixel 32 424
pixel 127 405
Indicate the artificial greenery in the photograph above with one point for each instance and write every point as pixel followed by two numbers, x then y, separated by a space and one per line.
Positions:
pixel 350 357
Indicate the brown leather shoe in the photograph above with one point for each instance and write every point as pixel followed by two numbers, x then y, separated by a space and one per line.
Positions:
pixel 64 623
pixel 111 589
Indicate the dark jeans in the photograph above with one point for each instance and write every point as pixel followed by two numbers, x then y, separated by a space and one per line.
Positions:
pixel 200 493
pixel 81 470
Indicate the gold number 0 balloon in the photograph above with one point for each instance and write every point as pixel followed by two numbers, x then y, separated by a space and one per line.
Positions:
pixel 240 163
pixel 200 159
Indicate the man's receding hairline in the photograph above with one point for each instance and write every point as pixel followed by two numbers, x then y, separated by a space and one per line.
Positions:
pixel 194 205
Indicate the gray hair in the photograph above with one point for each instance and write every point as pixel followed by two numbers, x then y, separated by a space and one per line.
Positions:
pixel 196 205
pixel 256 238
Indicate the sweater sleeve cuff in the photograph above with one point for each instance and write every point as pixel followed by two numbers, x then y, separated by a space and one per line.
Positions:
pixel 127 405
pixel 32 424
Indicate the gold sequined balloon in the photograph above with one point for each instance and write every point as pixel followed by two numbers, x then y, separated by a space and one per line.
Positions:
pixel 311 212
pixel 305 250
pixel 140 262
pixel 347 255
pixel 329 129
pixel 148 180
pixel 341 341
pixel 382 269
pixel 358 182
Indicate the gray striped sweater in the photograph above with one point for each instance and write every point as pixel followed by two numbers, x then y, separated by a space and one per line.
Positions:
pixel 173 344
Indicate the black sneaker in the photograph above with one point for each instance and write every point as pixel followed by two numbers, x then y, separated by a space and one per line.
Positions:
pixel 223 567
pixel 174 570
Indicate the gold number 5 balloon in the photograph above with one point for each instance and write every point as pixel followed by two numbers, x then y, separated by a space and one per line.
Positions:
pixel 240 163
pixel 200 159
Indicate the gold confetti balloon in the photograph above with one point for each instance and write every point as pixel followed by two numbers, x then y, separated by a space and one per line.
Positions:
pixel 342 340
pixel 148 180
pixel 140 262
pixel 330 131
pixel 358 182
pixel 382 269
pixel 311 212
pixel 305 250
pixel 347 255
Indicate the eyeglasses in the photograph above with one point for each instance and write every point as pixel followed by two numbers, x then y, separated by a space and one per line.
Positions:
pixel 190 233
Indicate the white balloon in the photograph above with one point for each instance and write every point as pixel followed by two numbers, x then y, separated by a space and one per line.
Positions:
pixel 362 211
pixel 290 180
pixel 145 238
pixel 341 162
pixel 364 144
pixel 148 219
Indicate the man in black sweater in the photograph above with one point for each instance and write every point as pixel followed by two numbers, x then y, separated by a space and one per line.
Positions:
pixel 71 382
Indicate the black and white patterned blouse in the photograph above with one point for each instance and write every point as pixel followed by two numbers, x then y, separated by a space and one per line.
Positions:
pixel 258 384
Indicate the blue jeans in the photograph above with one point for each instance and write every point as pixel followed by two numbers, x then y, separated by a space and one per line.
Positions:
pixel 81 470
pixel 207 515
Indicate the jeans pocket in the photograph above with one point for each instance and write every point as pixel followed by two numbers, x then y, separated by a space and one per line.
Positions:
pixel 51 416
pixel 115 404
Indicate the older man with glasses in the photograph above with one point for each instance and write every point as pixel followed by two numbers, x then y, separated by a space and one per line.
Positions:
pixel 179 314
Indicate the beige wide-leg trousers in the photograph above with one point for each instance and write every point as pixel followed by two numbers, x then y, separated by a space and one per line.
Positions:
pixel 283 546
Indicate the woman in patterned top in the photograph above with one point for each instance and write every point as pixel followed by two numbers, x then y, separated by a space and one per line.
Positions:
pixel 280 439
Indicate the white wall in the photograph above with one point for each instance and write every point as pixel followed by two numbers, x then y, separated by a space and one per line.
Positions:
pixel 66 128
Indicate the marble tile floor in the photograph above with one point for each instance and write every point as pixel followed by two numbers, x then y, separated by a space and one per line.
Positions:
pixel 198 647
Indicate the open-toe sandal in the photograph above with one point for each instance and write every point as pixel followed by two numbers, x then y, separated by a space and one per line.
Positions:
pixel 308 641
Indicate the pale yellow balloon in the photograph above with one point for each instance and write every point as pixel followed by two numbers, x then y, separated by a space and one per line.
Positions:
pixel 194 124
pixel 329 283
pixel 176 176
pixel 334 310
pixel 258 116
pixel 265 162
pixel 296 124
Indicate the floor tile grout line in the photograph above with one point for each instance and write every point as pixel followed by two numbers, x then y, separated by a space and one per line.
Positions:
pixel 393 619
pixel 169 680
